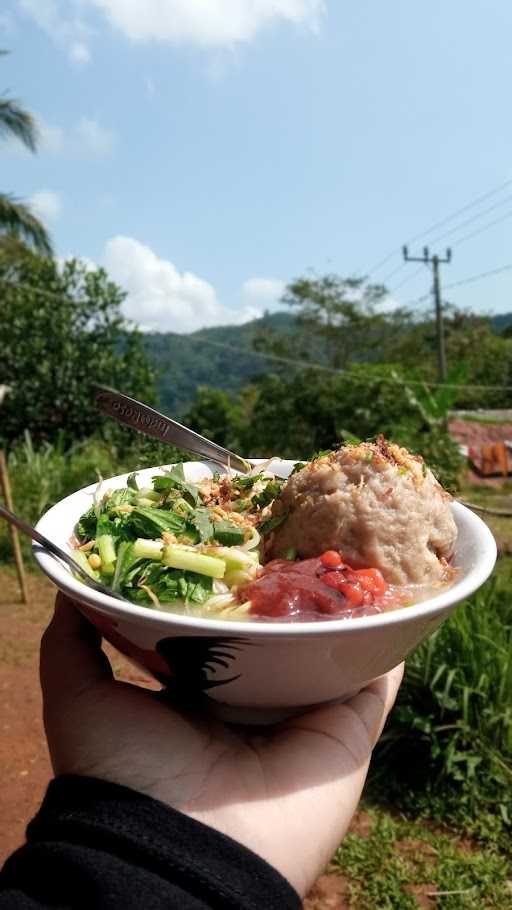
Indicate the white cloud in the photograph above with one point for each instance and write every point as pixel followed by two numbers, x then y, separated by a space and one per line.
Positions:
pixel 64 26
pixel 160 298
pixel 79 53
pixel 263 291
pixel 46 204
pixel 51 138
pixel 205 22
pixel 97 139
pixel 388 304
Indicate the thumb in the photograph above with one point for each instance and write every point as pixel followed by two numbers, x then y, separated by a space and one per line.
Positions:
pixel 374 703
pixel 357 723
pixel 71 657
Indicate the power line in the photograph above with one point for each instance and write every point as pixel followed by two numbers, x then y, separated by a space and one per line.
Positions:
pixel 457 228
pixel 482 229
pixel 470 220
pixel 456 284
pixel 406 280
pixel 398 268
pixel 351 376
pixel 439 224
pixel 468 280
pixel 469 236
pixel 303 364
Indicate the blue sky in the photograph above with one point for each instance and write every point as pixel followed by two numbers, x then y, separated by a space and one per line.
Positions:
pixel 208 151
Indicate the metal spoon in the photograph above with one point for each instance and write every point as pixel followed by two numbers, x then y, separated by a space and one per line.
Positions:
pixel 139 416
pixel 56 551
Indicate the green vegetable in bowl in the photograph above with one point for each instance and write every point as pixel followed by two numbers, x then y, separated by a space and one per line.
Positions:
pixel 175 544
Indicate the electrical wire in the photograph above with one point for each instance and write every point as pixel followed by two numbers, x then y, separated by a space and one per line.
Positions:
pixel 469 236
pixel 438 224
pixel 471 220
pixel 302 364
pixel 408 278
pixel 482 229
pixel 455 284
pixel 348 374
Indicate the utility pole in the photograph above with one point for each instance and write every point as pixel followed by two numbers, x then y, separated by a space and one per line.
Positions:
pixel 435 262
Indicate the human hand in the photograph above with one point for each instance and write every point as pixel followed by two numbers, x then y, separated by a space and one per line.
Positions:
pixel 288 793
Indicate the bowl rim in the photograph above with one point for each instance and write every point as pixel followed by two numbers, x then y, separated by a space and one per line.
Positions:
pixel 478 573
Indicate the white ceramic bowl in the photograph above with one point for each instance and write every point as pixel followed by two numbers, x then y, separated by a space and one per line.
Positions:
pixel 257 671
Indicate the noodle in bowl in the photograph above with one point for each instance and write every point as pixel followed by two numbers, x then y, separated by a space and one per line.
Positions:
pixel 261 671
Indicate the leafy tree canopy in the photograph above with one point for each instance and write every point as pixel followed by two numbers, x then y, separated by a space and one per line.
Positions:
pixel 338 321
pixel 298 415
pixel 61 329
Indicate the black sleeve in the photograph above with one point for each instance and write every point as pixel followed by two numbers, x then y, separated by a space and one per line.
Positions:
pixel 100 846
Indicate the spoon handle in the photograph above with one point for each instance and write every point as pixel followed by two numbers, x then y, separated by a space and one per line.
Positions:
pixel 55 550
pixel 141 417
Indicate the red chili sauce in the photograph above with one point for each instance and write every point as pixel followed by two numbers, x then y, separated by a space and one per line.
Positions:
pixel 317 589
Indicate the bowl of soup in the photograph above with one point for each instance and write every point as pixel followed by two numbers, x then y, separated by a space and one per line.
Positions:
pixel 227 601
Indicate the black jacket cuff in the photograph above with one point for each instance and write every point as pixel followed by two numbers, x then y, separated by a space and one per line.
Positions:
pixel 213 868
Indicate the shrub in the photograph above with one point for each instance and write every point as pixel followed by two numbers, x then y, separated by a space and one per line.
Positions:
pixel 448 745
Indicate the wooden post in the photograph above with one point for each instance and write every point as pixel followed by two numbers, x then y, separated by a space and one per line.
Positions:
pixel 6 488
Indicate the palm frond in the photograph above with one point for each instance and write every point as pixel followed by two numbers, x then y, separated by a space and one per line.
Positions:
pixel 16 121
pixel 17 220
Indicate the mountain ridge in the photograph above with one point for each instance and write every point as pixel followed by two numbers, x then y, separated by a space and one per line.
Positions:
pixel 222 356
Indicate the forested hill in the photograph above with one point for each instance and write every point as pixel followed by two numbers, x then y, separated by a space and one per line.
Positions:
pixel 208 357
pixel 500 323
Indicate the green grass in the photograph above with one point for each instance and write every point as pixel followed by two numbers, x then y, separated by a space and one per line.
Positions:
pixel 397 854
pixel 447 750
pixel 487 495
pixel 493 497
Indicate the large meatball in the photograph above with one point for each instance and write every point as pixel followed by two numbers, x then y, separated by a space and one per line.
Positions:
pixel 376 503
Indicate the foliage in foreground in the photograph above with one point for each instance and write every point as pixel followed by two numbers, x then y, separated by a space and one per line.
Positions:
pixel 299 415
pixel 447 750
pixel 42 476
pixel 61 330
pixel 398 858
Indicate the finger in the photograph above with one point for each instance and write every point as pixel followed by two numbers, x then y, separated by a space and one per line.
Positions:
pixel 71 656
pixel 357 723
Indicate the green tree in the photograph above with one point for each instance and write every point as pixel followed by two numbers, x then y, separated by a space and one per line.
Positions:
pixel 474 351
pixel 61 329
pixel 311 411
pixel 16 218
pixel 218 416
pixel 337 321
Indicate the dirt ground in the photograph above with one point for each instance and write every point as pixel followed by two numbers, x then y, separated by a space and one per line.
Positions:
pixel 23 753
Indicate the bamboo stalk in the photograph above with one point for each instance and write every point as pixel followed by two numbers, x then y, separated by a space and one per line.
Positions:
pixel 18 558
